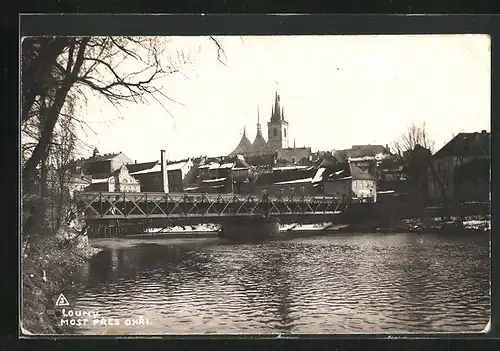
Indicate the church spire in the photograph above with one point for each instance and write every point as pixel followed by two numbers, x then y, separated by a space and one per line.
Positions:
pixel 258 120
pixel 244 131
pixel 276 113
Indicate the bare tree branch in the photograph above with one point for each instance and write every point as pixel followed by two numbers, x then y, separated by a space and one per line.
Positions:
pixel 220 51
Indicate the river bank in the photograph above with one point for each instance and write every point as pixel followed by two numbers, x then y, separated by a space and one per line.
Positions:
pixel 47 266
pixel 470 224
pixel 438 225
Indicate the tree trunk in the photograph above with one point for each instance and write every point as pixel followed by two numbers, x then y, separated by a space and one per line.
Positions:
pixel 29 169
pixel 41 210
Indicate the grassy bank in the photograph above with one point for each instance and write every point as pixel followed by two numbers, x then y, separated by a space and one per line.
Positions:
pixel 47 265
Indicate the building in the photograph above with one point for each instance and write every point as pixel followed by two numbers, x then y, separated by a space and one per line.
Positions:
pixel 149 175
pixel 287 182
pixel 223 175
pixel 391 169
pixel 460 170
pixel 337 181
pixel 277 127
pixel 78 183
pixel 214 177
pixel 348 180
pixel 363 153
pixel 262 152
pixel 364 182
pixel 177 172
pixel 294 155
pixel 117 181
pixel 243 176
pixel 473 183
pixel 99 166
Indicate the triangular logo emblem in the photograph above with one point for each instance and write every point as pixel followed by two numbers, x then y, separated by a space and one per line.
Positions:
pixel 62 301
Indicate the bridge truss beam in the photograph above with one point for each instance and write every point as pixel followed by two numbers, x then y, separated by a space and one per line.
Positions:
pixel 129 205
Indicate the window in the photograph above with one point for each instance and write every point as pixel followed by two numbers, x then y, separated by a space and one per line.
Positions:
pixel 275 132
pixel 303 189
pixel 284 131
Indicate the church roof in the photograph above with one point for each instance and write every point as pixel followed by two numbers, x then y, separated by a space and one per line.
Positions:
pixel 244 146
pixel 259 143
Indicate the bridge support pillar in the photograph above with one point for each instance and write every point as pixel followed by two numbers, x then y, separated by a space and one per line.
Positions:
pixel 249 228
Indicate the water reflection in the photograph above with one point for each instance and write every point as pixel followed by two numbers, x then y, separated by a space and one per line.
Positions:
pixel 336 284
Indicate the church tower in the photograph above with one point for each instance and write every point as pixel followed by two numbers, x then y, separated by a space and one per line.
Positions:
pixel 277 127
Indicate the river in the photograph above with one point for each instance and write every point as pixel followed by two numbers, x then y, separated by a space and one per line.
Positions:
pixel 335 284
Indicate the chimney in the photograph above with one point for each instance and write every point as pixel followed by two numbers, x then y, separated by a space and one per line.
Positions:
pixel 135 161
pixel 483 131
pixel 164 174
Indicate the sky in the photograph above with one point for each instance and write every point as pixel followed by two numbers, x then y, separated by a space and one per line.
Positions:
pixel 337 91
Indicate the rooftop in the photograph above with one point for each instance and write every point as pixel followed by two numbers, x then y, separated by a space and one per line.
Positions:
pixel 284 176
pixel 137 167
pixel 467 144
pixel 362 151
pixel 100 158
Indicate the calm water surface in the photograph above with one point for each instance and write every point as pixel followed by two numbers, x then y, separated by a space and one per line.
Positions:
pixel 348 283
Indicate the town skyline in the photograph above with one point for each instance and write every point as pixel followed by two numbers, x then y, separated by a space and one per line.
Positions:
pixel 332 101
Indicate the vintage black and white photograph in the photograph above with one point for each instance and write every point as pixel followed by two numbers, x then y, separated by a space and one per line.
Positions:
pixel 271 185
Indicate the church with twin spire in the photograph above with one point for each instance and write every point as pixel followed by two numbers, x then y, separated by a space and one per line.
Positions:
pixel 277 137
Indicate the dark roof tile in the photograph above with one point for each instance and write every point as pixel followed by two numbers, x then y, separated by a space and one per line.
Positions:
pixel 137 167
pixel 284 176
pixel 466 144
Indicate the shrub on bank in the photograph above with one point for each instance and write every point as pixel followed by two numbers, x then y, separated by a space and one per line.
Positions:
pixel 47 263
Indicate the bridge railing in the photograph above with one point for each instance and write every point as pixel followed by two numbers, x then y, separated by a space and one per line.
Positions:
pixel 116 205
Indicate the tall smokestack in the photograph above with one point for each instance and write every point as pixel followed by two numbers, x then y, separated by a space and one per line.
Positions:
pixel 164 173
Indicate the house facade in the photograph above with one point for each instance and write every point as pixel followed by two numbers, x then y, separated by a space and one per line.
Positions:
pixel 364 181
pixel 452 175
pixel 176 172
pixel 287 182
pixel 338 181
pixel 350 181
pixel 118 181
pixel 148 174
pixel 99 166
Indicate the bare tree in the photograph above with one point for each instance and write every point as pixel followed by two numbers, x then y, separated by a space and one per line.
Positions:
pixel 55 71
pixel 413 136
pixel 416 166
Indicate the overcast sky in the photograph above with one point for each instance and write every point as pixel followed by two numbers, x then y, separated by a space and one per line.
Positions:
pixel 336 91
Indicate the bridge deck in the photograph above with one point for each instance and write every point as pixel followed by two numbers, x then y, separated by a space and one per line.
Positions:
pixel 115 205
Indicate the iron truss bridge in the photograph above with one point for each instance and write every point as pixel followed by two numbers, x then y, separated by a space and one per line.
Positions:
pixel 139 206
